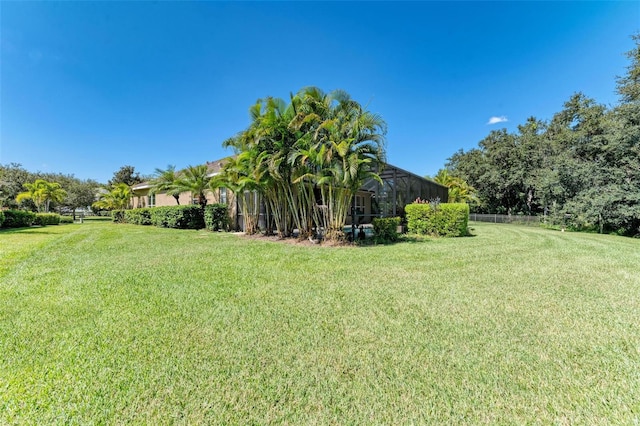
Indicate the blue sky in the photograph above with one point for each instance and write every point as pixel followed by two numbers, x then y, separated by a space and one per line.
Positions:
pixel 87 87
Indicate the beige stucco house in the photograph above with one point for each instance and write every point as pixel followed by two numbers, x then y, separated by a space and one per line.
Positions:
pixel 399 188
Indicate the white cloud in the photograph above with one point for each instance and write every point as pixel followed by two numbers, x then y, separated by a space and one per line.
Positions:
pixel 496 120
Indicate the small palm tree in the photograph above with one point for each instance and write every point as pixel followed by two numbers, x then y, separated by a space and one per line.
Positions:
pixel 196 180
pixel 166 181
pixel 42 193
pixel 459 190
pixel 117 199
pixel 239 175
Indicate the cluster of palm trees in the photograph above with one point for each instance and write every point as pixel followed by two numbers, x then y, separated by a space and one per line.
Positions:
pixel 42 193
pixel 118 198
pixel 306 159
pixel 193 179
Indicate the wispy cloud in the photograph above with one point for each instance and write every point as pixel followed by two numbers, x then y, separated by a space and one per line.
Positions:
pixel 496 120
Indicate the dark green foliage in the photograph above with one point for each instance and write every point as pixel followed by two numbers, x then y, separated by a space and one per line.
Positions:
pixel 581 169
pixel 181 217
pixel 1 218
pixel 140 216
pixel 45 219
pixel 66 219
pixel 385 229
pixel 80 194
pixel 12 179
pixel 18 219
pixel 118 216
pixel 216 217
pixel 126 174
pixel 445 220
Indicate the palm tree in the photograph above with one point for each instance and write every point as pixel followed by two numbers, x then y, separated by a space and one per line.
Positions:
pixel 459 190
pixel 348 146
pixel 196 180
pixel 117 199
pixel 238 174
pixel 165 181
pixel 42 193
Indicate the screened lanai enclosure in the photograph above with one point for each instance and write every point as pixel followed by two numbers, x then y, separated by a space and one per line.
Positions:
pixel 399 188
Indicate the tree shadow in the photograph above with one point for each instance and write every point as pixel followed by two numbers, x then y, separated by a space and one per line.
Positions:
pixel 31 230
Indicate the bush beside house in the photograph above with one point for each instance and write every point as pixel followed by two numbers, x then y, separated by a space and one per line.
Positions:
pixel 216 217
pixel 180 217
pixel 117 216
pixel 445 220
pixel 385 229
pixel 141 216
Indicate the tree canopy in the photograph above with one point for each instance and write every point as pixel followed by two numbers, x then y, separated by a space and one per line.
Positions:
pixel 125 174
pixel 581 168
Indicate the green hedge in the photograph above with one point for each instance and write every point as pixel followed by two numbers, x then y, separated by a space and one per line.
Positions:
pixel 385 229
pixel 216 217
pixel 18 219
pixel 181 217
pixel 141 216
pixel 66 219
pixel 117 216
pixel 1 218
pixel 45 219
pixel 445 220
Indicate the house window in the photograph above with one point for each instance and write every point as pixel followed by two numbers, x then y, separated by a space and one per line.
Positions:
pixel 152 200
pixel 223 195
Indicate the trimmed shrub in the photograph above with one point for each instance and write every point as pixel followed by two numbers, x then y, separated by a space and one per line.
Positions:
pixel 385 229
pixel 66 219
pixel 180 217
pixel 141 216
pixel 445 219
pixel 18 219
pixel 216 217
pixel 45 219
pixel 117 216
pixel 1 218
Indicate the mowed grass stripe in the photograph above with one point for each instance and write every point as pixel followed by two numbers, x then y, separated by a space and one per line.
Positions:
pixel 118 324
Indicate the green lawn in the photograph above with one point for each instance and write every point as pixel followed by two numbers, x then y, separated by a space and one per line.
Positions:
pixel 103 323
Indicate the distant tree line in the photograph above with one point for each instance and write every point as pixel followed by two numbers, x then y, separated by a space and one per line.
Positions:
pixel 581 168
pixel 43 192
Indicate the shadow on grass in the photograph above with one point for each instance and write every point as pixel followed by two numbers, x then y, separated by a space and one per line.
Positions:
pixel 406 238
pixel 96 219
pixel 30 230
